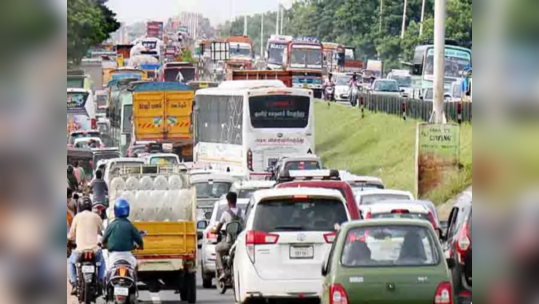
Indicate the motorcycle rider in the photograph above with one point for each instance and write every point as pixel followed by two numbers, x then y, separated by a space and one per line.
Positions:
pixel 230 215
pixel 352 83
pixel 121 237
pixel 85 231
pixel 329 83
pixel 72 179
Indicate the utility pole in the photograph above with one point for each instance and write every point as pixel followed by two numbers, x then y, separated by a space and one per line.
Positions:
pixel 245 25
pixel 277 23
pixel 282 18
pixel 404 18
pixel 422 17
pixel 262 37
pixel 381 14
pixel 439 58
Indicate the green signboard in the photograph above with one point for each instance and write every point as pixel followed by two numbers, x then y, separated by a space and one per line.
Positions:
pixel 437 156
pixel 183 28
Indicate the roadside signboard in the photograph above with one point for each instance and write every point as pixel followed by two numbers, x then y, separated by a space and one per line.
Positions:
pixel 437 156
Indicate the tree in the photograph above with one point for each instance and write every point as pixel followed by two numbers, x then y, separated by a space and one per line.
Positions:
pixel 89 22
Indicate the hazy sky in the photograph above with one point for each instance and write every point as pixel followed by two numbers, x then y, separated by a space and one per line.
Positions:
pixel 130 11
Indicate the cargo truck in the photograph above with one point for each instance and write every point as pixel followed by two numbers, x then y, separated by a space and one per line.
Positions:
pixel 163 204
pixel 162 113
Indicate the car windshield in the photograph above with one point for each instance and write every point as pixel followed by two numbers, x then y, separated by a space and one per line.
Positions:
pixel 375 198
pixel 342 81
pixel 223 208
pixel 164 161
pixel 382 246
pixel 302 165
pixel 403 81
pixel 386 86
pixel 315 214
pixel 213 189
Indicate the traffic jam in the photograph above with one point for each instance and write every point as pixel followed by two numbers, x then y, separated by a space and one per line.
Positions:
pixel 182 182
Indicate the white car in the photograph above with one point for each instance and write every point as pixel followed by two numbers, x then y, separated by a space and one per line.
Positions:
pixel 209 239
pixel 342 89
pixel 361 183
pixel 374 196
pixel 386 87
pixel 287 234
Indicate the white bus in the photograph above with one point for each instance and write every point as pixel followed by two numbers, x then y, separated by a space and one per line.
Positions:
pixel 245 127
pixel 80 110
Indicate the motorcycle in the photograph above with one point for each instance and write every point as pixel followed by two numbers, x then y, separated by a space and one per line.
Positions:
pixel 329 93
pixel 232 231
pixel 121 287
pixel 354 95
pixel 88 285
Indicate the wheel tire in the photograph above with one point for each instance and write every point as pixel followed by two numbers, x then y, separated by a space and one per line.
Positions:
pixel 207 283
pixel 190 283
pixel 88 297
pixel 221 287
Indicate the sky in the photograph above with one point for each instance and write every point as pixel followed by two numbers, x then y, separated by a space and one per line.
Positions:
pixel 218 11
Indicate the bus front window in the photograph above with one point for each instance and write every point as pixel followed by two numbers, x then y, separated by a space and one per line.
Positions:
pixel 455 61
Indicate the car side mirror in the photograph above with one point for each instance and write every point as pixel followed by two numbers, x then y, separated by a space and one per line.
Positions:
pixel 201 225
pixel 451 263
pixel 441 235
pixel 208 215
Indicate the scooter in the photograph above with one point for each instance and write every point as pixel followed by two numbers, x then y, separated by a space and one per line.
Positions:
pixel 122 281
pixel 354 95
pixel 329 93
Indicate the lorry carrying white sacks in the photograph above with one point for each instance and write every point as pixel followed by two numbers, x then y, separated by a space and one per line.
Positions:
pixel 163 203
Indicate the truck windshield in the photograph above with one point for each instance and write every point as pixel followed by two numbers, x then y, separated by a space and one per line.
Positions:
pixel 307 58
pixel 240 52
pixel 173 75
pixel 276 53
pixel 403 81
pixel 279 111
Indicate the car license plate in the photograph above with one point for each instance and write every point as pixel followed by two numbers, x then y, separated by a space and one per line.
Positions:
pixel 121 291
pixel 301 252
pixel 88 269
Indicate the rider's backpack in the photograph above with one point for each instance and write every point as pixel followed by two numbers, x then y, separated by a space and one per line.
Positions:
pixel 237 223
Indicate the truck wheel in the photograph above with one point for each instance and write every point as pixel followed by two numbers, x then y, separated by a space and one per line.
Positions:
pixel 190 283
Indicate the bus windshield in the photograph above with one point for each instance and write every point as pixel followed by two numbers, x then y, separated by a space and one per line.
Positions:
pixel 279 111
pixel 456 61
pixel 307 57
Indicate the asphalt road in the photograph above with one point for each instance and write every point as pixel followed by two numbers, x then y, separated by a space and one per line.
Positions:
pixel 204 296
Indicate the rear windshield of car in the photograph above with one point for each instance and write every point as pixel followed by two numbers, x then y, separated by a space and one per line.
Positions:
pixel 82 135
pixel 375 198
pixel 321 185
pixel 358 187
pixel 212 190
pixel 415 216
pixel 383 246
pixel 299 215
pixel 302 165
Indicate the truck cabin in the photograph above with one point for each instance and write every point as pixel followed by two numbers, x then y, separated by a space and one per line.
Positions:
pixel 184 72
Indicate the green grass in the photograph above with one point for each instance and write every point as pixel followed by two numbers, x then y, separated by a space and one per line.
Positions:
pixel 381 145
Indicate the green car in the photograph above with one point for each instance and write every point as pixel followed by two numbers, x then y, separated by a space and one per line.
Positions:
pixel 387 261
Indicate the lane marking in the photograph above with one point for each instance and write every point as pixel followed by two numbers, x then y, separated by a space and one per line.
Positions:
pixel 155 298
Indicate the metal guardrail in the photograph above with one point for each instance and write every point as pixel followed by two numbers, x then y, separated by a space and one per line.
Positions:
pixel 415 108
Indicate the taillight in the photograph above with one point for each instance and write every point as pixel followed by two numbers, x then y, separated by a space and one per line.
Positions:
pixel 122 271
pixel 444 294
pixel 254 238
pixel 330 237
pixel 250 160
pixel 433 220
pixel 211 237
pixel 338 295
pixel 463 243
pixel 368 215
pixel 93 123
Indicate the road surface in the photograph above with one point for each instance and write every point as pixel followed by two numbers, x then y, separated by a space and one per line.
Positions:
pixel 204 296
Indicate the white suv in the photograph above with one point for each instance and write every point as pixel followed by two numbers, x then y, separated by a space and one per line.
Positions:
pixel 287 234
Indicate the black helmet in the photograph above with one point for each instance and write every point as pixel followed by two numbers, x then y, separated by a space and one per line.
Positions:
pixel 70 169
pixel 85 204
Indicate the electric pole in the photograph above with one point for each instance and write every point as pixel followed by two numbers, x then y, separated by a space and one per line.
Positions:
pixel 439 58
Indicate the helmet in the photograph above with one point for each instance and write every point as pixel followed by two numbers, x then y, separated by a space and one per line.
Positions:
pixel 121 208
pixel 69 169
pixel 85 204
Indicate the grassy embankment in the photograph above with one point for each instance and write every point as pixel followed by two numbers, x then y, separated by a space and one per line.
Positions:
pixel 381 145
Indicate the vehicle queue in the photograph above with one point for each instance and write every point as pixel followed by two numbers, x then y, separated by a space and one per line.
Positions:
pixel 296 230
